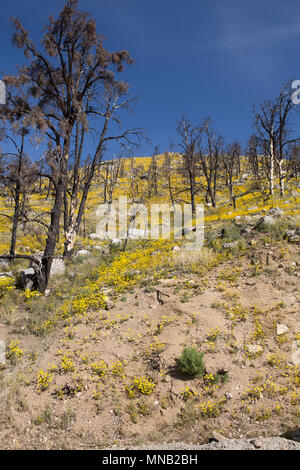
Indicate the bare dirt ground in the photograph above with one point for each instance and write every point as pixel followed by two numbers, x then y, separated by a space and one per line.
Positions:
pixel 92 401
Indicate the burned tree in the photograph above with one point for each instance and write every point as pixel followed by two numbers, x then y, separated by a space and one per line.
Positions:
pixel 70 82
pixel 209 149
pixel 230 161
pixel 272 123
pixel 17 174
pixel 189 138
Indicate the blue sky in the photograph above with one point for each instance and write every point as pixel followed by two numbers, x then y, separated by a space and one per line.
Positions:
pixel 192 57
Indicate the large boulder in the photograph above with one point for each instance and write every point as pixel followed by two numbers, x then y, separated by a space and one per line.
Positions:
pixel 58 267
pixel 296 357
pixel 276 212
pixel 136 233
pixel 83 253
pixel 2 353
pixel 264 221
pixel 4 264
pixel 27 278
pixel 293 236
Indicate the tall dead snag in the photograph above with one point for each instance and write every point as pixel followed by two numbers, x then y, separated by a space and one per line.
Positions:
pixel 272 123
pixel 209 148
pixel 153 174
pixel 109 173
pixel 252 154
pixel 167 170
pixel 189 137
pixel 70 82
pixel 17 174
pixel 230 161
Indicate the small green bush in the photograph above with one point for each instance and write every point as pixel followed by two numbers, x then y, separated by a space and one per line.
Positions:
pixel 191 363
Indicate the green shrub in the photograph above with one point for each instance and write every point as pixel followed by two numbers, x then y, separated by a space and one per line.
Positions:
pixel 191 363
pixel 231 232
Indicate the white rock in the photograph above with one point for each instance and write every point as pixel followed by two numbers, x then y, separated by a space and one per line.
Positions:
pixel 94 236
pixel 116 241
pixel 83 253
pixel 57 267
pixel 281 329
pixel 296 357
pixel 254 348
pixel 2 352
pixel 136 233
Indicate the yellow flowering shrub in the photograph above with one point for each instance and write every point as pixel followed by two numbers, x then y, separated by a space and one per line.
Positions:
pixel 140 386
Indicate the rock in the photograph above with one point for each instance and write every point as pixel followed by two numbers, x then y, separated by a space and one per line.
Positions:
pixel 47 292
pixel 108 303
pixel 116 242
pixel 2 353
pixel 296 357
pixel 27 278
pixel 176 248
pixel 57 267
pixel 103 249
pixel 230 244
pixel 271 443
pixel 294 239
pixel 94 236
pixel 228 395
pixel 7 274
pixel 276 212
pixel 168 282
pixel 266 220
pixel 135 234
pixel 217 437
pixel 83 253
pixel 257 443
pixel 281 329
pixel 254 348
pixel 290 234
pixel 4 264
pixel 294 435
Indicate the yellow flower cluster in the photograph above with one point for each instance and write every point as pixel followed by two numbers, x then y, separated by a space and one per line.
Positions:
pixel 156 347
pixel 268 389
pixel 28 295
pixel 6 285
pixel 210 408
pixel 67 364
pixel 14 353
pixel 140 386
pixel 100 368
pixel 188 393
pixel 44 379
pixel 117 368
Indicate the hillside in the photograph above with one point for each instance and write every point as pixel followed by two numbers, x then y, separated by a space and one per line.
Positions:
pixel 93 362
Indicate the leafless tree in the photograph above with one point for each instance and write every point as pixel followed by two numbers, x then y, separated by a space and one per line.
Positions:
pixel 71 84
pixel 230 161
pixel 272 123
pixel 210 147
pixel 17 174
pixel 189 138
